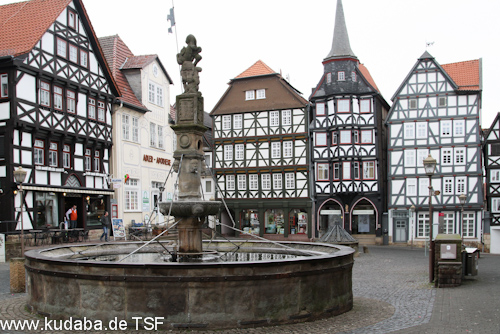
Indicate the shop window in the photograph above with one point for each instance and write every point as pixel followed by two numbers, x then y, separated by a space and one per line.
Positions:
pixel 46 210
pixel 298 221
pixel 363 218
pixel 95 209
pixel 250 221
pixel 275 221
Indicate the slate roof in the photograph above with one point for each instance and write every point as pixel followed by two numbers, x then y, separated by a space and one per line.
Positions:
pixel 259 68
pixel 466 74
pixel 340 44
pixel 117 53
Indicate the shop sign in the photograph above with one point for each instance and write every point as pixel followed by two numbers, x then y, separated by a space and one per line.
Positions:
pixel 118 228
pixel 116 180
pixel 330 212
pixel 145 200
pixel 363 212
pixel 160 161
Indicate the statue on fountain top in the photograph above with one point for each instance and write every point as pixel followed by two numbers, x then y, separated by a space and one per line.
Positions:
pixel 189 70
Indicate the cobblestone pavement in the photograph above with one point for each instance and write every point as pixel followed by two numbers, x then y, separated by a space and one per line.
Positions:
pixel 391 294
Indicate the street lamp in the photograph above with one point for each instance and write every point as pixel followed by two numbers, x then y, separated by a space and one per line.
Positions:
pixel 462 198
pixel 430 168
pixel 20 176
pixel 412 222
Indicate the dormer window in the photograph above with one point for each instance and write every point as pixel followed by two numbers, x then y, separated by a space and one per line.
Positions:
pixel 261 94
pixel 250 95
pixel 341 76
pixel 258 94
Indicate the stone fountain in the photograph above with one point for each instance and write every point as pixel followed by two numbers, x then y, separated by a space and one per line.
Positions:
pixel 252 283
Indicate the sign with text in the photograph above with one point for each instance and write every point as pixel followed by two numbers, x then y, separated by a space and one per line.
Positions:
pixel 118 228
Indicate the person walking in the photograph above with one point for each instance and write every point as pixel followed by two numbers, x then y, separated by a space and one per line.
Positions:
pixel 105 226
pixel 71 216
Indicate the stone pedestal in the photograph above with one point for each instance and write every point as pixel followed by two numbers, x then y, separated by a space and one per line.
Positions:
pixel 447 260
pixel 17 275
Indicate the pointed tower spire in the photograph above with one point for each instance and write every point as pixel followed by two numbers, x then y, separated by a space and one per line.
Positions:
pixel 340 45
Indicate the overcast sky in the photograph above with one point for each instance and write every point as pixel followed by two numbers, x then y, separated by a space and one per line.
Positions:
pixel 294 36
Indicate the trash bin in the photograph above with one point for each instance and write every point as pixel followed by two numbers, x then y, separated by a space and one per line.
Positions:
pixel 385 237
pixel 472 259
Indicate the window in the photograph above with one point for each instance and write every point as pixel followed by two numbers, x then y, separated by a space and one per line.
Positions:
pixel 460 181
pixel 459 156
pixel 341 76
pixel 126 127
pixel 276 150
pixel 161 142
pixel 320 109
pixel 159 96
pixel 242 182
pixel 345 136
pixel 413 104
pixel 253 180
pixel 132 195
pixel 495 204
pixel 97 161
pixel 365 106
pixel 53 154
pixel 343 105
pixel 449 222
pixel 266 181
pixel 44 94
pixel 239 153
pixel 58 98
pixel 346 170
pixel 84 58
pixel 459 127
pixel 287 149
pixel 409 130
pixel 442 101
pixel 38 152
pixel 4 82
pixel 320 139
pixel 237 119
pixel 334 138
pixel 421 155
pixel 286 117
pixel 368 170
pixel 261 94
pixel 356 170
pixel 424 186
pixel 446 156
pixel 445 128
pixel 336 171
pixel 468 225
pixel 423 225
pixel 226 122
pixel 495 175
pixel 421 130
pixel 228 152
pixel 70 102
pixel 411 187
pixel 355 135
pixel 290 180
pixel 66 156
pixel 366 136
pixel 208 186
pixel 135 129
pixel 409 157
pixel 91 108
pixel 230 182
pixel 328 78
pixel 322 172
pixel 277 182
pixel 274 119
pixel 61 47
pixel 73 53
pixel 448 186
pixel 152 134
pixel 101 108
pixel 88 157
pixel 151 93
pixel 250 95
pixel 71 19
pixel 353 76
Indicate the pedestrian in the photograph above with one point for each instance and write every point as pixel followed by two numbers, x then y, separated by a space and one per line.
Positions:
pixel 71 216
pixel 105 226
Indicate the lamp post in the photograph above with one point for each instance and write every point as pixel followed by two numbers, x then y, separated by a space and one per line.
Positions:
pixel 462 198
pixel 412 222
pixel 430 168
pixel 20 176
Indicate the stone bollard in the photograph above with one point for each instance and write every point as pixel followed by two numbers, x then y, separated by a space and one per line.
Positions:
pixel 17 275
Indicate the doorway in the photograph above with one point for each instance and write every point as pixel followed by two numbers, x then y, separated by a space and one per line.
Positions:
pixel 401 230
pixel 69 201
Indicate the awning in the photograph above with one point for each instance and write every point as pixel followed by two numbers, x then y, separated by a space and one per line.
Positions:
pixel 71 190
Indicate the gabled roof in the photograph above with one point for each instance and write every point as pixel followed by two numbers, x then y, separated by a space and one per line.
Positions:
pixel 466 74
pixel 138 62
pixel 259 68
pixel 116 53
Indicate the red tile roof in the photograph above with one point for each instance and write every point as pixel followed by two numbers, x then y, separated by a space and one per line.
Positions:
pixel 116 53
pixel 466 74
pixel 259 68
pixel 138 61
pixel 22 24
pixel 368 76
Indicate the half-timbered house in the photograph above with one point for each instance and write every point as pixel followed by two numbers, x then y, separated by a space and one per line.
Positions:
pixel 260 157
pixel 491 151
pixel 348 145
pixel 55 113
pixel 143 140
pixel 436 111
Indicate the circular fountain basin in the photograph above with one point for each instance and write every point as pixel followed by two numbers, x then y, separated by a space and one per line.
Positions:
pixel 271 285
